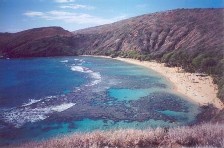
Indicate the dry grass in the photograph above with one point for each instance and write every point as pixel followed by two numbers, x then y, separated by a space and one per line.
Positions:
pixel 205 135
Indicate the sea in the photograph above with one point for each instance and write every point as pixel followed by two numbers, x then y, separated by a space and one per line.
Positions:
pixel 43 98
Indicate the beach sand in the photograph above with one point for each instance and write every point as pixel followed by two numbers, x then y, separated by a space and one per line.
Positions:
pixel 199 89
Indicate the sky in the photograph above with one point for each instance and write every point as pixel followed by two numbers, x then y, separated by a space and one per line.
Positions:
pixel 18 15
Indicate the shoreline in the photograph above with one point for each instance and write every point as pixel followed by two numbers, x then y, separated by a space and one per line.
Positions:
pixel 198 89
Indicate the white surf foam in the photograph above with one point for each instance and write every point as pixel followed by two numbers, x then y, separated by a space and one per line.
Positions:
pixel 20 116
pixel 77 68
pixel 31 101
pixel 50 97
pixel 64 61
pixel 62 107
pixel 80 60
pixel 94 75
pixel 97 78
pixel 81 69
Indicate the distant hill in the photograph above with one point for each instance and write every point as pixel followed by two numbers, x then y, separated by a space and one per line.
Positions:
pixel 189 38
pixel 35 42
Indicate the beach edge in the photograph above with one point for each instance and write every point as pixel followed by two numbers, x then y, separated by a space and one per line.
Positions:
pixel 198 89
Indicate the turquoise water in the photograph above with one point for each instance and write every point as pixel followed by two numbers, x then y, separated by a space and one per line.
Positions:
pixel 47 97
pixel 130 94
pixel 177 115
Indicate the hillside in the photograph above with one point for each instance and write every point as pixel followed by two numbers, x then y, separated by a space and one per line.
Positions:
pixel 46 41
pixel 190 38
pixel 159 33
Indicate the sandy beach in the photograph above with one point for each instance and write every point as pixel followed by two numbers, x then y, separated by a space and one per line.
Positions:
pixel 200 90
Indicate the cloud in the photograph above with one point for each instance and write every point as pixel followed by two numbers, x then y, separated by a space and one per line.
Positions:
pixel 69 17
pixel 34 13
pixel 64 1
pixel 77 6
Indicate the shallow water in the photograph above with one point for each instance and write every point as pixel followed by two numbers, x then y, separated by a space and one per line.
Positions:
pixel 48 97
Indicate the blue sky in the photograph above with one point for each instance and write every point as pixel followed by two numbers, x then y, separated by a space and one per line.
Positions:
pixel 17 15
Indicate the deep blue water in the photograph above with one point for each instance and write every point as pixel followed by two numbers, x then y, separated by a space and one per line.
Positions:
pixel 25 79
pixel 47 97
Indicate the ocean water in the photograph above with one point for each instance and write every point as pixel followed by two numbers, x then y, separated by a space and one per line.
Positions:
pixel 41 98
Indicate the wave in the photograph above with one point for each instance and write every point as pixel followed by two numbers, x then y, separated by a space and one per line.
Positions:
pixel 64 61
pixel 62 107
pixel 31 101
pixel 81 61
pixel 97 78
pixel 22 115
pixel 94 75
pixel 79 69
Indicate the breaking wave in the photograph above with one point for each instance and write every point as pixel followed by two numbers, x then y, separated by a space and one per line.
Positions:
pixel 64 61
pixel 94 75
pixel 39 109
pixel 20 116
pixel 31 101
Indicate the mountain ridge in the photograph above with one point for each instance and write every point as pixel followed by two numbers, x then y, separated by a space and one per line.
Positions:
pixel 156 32
pixel 152 30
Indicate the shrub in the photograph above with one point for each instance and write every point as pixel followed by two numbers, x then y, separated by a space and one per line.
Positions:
pixel 196 62
pixel 205 135
pixel 166 57
pixel 208 65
